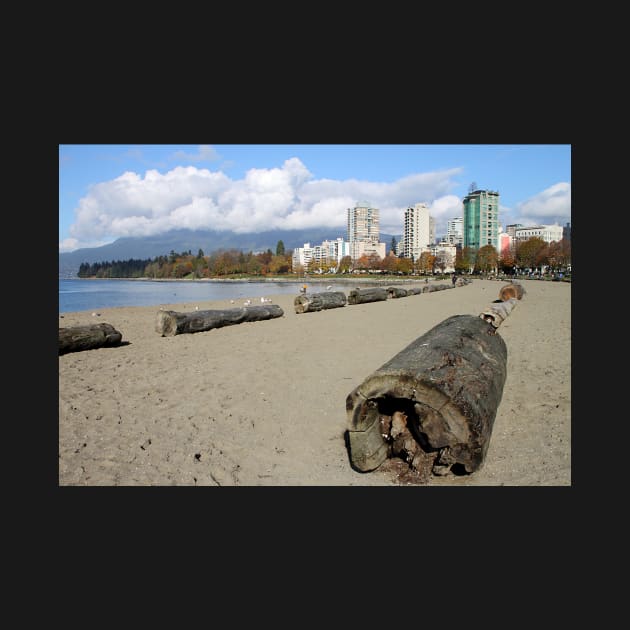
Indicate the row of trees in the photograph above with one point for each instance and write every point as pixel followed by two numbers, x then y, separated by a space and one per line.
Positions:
pixel 231 262
pixel 532 254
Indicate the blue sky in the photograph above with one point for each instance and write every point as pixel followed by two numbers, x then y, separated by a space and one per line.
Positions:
pixel 108 191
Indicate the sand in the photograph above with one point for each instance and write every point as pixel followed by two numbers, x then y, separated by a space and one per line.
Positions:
pixel 263 403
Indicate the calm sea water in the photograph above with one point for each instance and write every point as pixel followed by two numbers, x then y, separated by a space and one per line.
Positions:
pixel 87 295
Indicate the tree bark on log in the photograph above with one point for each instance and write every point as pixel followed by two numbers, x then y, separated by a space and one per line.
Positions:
pixel 498 312
pixel 445 388
pixel 171 323
pixel 77 338
pixel 397 292
pixel 361 296
pixel 513 290
pixel 319 301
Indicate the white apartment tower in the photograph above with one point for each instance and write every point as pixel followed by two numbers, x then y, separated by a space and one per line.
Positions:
pixel 363 223
pixel 364 231
pixel 417 233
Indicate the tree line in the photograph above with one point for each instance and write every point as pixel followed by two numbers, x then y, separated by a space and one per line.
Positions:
pixel 533 253
pixel 177 265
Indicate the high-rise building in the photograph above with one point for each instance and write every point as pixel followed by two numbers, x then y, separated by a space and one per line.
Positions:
pixel 363 223
pixel 417 236
pixel 481 219
pixel 364 231
pixel 455 231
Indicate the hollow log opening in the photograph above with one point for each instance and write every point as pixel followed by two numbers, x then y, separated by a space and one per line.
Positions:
pixel 410 456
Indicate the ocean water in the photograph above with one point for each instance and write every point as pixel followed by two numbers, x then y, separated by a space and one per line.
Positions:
pixel 88 295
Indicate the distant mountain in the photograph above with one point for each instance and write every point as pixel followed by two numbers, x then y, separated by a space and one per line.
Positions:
pixel 193 240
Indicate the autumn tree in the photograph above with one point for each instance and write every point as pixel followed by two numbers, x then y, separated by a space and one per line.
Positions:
pixel 390 263
pixel 487 259
pixel 528 252
pixel 507 261
pixel 362 263
pixel 425 263
pixel 404 265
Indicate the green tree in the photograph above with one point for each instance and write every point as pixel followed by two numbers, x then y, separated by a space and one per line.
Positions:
pixel 465 259
pixel 345 264
pixel 392 246
pixel 280 249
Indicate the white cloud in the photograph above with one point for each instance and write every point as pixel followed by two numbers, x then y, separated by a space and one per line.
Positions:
pixel 552 205
pixel 287 197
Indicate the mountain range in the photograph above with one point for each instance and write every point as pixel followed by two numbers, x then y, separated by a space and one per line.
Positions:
pixel 208 240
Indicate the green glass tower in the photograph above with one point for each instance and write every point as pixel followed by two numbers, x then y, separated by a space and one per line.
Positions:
pixel 481 219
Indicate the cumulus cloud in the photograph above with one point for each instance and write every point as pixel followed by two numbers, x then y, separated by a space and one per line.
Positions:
pixel 287 197
pixel 552 205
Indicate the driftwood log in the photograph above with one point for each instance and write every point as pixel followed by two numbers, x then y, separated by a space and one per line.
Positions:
pixel 171 323
pixel 361 296
pixel 319 301
pixel 433 404
pixel 498 312
pixel 513 290
pixel 430 288
pixel 77 338
pixel 397 292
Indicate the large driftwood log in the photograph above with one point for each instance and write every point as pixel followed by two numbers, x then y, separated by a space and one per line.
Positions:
pixel 444 388
pixel 397 292
pixel 513 290
pixel 77 338
pixel 319 301
pixel 171 323
pixel 361 296
pixel 498 312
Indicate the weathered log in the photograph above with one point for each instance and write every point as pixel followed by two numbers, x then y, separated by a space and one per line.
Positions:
pixel 171 323
pixel 497 312
pixel 513 290
pixel 397 292
pixel 445 387
pixel 361 296
pixel 77 338
pixel 319 301
pixel 414 291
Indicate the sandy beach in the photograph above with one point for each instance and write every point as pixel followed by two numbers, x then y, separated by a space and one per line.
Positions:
pixel 264 403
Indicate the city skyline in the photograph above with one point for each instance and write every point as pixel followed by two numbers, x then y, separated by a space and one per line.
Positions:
pixel 110 191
